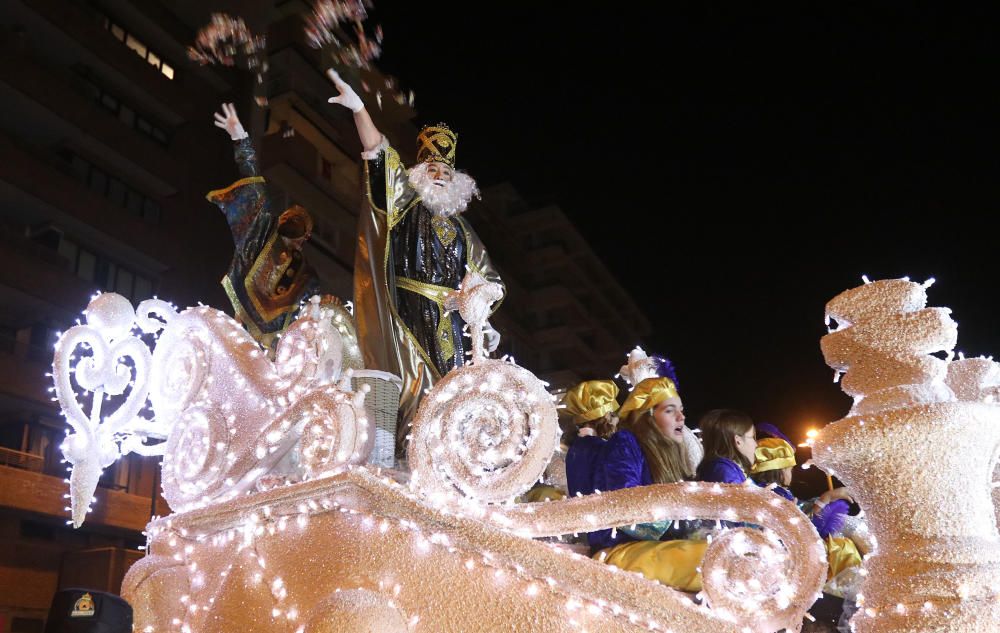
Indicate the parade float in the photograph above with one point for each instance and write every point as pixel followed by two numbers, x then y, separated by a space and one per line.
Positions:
pixel 281 523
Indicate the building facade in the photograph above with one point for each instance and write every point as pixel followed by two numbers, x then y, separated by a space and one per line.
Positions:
pixel 107 149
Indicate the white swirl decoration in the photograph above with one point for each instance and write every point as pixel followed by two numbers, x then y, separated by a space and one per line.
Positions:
pixel 181 363
pixel 486 430
pixel 195 459
pixel 747 573
pixel 336 433
pixel 310 349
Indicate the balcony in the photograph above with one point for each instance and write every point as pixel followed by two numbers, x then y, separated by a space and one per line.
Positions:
pixel 25 461
pixel 101 568
pixel 341 195
pixel 22 489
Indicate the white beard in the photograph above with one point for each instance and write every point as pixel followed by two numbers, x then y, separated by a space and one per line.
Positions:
pixel 445 199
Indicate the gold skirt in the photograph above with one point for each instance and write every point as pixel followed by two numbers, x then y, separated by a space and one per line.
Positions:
pixel 672 563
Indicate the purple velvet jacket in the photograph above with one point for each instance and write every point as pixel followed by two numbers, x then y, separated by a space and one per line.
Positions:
pixel 829 520
pixel 721 470
pixel 621 464
pixel 581 460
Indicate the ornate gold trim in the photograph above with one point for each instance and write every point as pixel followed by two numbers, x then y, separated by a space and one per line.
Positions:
pixel 211 195
pixel 266 314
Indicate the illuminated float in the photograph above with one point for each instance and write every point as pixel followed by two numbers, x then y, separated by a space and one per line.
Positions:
pixel 281 523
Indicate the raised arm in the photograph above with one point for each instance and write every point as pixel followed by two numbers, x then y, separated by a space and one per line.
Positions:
pixel 246 158
pixel 371 137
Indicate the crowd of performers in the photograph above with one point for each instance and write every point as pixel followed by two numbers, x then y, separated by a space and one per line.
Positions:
pixel 645 440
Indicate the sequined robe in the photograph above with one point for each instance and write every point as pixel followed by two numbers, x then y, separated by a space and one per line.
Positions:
pixel 406 262
pixel 265 281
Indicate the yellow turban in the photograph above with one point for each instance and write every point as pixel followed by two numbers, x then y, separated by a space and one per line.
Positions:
pixel 590 400
pixel 646 395
pixel 772 454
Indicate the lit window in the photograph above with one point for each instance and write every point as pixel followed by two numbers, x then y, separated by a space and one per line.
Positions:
pixel 153 59
pixel 167 71
pixel 136 45
pixel 118 32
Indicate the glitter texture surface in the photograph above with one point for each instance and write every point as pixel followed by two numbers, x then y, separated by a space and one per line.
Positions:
pixel 917 452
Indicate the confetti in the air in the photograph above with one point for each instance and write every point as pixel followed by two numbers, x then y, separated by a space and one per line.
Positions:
pixel 338 27
pixel 226 40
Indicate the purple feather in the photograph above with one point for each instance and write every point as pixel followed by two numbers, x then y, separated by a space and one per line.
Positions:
pixel 666 369
pixel 769 429
pixel 830 519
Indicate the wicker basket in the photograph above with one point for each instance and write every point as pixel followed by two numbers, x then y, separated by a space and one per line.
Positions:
pixel 382 406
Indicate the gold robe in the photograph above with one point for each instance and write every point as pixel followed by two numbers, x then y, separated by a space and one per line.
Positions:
pixel 386 339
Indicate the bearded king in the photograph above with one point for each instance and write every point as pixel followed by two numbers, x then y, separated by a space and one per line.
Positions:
pixel 413 250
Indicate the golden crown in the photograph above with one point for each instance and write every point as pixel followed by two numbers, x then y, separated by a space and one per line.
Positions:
pixel 437 143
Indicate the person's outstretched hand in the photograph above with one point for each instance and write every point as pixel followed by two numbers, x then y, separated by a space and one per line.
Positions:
pixel 229 122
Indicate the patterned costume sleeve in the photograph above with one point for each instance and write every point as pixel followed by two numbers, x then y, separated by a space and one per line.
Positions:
pixel 246 157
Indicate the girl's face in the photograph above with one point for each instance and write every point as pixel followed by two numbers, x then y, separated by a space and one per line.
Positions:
pixel 746 444
pixel 786 476
pixel 669 418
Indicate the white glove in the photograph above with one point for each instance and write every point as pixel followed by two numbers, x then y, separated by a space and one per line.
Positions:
pixel 492 338
pixel 347 97
pixel 229 122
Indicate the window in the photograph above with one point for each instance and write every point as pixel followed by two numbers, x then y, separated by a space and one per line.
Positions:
pixel 115 190
pixel 85 265
pixel 128 116
pixel 105 273
pixel 138 47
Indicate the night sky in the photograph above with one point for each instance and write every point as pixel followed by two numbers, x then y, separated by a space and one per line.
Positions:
pixel 736 166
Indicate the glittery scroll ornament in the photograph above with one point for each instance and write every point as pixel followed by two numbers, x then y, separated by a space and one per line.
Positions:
pixel 104 361
pixel 917 451
pixel 486 430
pixel 230 417
pixel 356 553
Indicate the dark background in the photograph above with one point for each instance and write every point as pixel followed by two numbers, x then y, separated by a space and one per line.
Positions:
pixel 736 165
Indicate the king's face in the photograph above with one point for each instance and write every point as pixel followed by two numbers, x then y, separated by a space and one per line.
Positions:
pixel 439 173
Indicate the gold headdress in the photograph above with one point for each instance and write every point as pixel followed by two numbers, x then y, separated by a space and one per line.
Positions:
pixel 773 453
pixel 590 400
pixel 437 143
pixel 646 395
